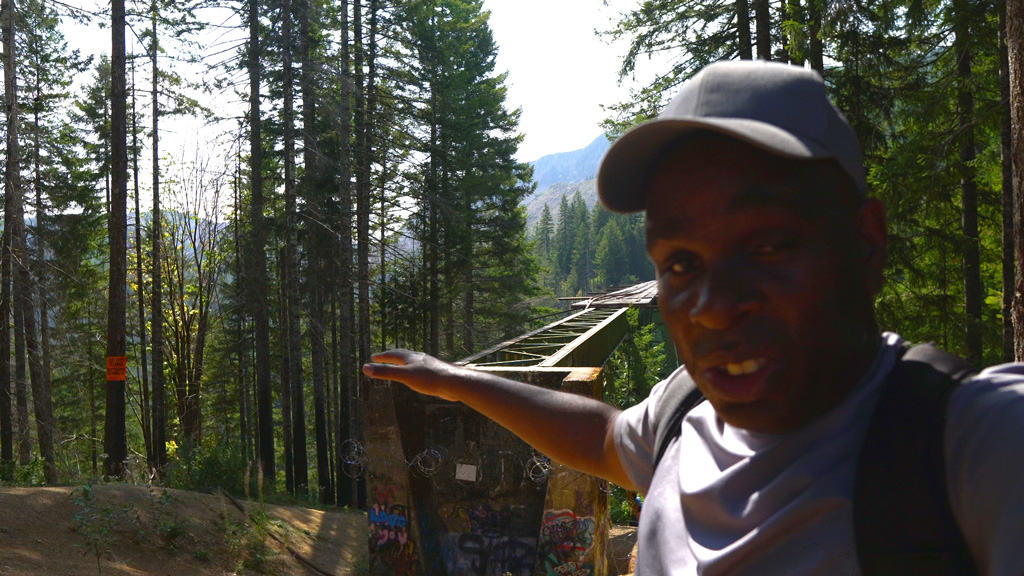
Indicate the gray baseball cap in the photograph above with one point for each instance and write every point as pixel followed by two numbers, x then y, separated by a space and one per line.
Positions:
pixel 777 107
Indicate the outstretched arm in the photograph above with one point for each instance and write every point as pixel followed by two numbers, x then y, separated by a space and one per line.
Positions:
pixel 572 429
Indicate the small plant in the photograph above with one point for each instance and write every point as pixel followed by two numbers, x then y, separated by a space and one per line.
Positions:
pixel 247 541
pixel 95 523
pixel 169 529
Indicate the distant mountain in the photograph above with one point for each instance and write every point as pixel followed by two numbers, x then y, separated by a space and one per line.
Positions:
pixel 564 173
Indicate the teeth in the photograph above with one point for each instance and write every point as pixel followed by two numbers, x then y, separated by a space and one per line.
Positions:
pixel 745 367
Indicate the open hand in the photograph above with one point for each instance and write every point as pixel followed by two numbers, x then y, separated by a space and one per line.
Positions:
pixel 419 371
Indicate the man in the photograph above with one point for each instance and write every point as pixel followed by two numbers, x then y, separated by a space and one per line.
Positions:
pixel 768 255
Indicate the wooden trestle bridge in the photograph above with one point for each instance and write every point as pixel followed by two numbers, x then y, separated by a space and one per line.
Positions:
pixel 452 493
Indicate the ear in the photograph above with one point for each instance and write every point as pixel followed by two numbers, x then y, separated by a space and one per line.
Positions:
pixel 874 236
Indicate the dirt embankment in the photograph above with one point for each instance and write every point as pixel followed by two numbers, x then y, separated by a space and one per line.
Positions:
pixel 126 530
pixel 123 530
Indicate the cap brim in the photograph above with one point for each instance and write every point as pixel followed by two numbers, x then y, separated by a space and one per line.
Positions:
pixel 622 175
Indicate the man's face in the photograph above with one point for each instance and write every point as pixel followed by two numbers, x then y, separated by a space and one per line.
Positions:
pixel 765 286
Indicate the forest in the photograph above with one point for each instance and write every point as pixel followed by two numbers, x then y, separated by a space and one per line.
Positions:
pixel 201 321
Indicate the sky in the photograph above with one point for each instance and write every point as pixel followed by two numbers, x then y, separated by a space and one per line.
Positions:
pixel 559 71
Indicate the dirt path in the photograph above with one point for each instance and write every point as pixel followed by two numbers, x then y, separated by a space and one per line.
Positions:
pixel 133 530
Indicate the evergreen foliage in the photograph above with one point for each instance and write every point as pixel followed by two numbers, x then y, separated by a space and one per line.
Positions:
pixel 919 83
pixel 379 204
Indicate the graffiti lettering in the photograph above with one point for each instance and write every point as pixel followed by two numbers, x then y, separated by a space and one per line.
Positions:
pixel 565 539
pixel 392 551
pixel 482 541
pixel 393 519
pixel 478 555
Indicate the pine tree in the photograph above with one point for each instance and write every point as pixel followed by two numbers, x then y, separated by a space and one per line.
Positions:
pixel 469 170
pixel 1015 49
pixel 256 269
pixel 114 439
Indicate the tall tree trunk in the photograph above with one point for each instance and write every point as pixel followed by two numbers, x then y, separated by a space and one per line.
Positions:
pixel 285 394
pixel 7 415
pixel 23 292
pixel 468 312
pixel 345 488
pixel 968 185
pixel 147 416
pixel 11 182
pixel 241 328
pixel 24 428
pixel 743 40
pixel 1006 142
pixel 1015 51
pixel 431 251
pixel 367 101
pixel 157 307
pixel 257 269
pixel 815 47
pixel 94 453
pixel 114 438
pixel 382 279
pixel 319 358
pixel 364 145
pixel 6 412
pixel 291 349
pixel 784 15
pixel 313 191
pixel 762 13
pixel 41 271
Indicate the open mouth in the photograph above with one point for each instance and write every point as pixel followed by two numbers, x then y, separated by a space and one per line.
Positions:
pixel 740 380
pixel 743 368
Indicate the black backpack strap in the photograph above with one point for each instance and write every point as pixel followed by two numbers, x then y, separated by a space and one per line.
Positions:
pixel 681 396
pixel 902 519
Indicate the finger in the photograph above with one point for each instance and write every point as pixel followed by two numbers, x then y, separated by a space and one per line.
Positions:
pixel 395 356
pixel 381 371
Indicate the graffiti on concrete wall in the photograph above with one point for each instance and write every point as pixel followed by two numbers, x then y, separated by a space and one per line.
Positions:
pixel 565 540
pixel 482 541
pixel 392 551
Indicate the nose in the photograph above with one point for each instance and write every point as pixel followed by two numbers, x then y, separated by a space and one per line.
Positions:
pixel 722 297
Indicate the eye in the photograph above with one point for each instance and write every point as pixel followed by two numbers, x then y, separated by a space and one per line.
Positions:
pixel 680 264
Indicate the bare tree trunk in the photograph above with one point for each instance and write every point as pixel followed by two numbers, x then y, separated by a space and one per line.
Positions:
pixel 968 186
pixel 40 283
pixel 285 393
pixel 93 416
pixel 23 292
pixel 313 176
pixel 159 424
pixel 6 413
pixel 1015 50
pixel 345 489
pixel 24 428
pixel 743 40
pixel 319 358
pixel 257 269
pixel 431 249
pixel 364 143
pixel 114 435
pixel 147 418
pixel 784 15
pixel 762 13
pixel 291 349
pixel 1005 137
pixel 815 48
pixel 244 402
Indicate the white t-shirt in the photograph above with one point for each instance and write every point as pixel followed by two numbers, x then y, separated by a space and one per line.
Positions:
pixel 725 500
